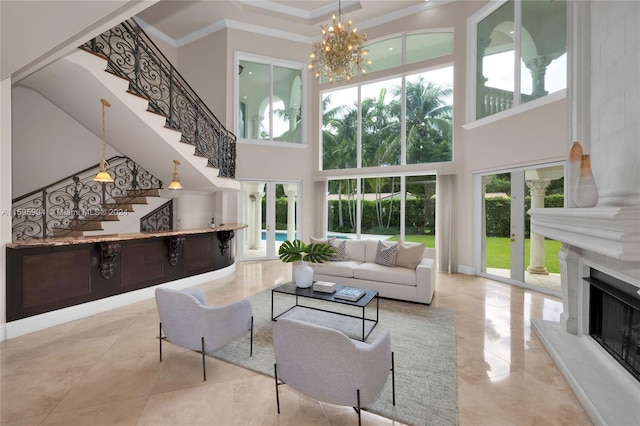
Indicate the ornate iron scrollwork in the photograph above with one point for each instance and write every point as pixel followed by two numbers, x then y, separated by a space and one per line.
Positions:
pixel 70 202
pixel 134 56
pixel 108 253
pixel 225 238
pixel 175 246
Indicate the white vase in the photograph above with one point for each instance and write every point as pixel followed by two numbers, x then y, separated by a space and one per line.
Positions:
pixel 586 194
pixel 303 275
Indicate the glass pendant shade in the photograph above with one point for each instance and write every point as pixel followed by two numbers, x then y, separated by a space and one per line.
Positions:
pixel 175 182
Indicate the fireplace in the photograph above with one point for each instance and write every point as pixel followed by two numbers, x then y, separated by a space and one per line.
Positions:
pixel 614 319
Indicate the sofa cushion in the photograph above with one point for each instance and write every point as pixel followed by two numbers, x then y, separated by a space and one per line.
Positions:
pixel 375 272
pixel 336 269
pixel 386 255
pixel 341 250
pixel 356 250
pixel 313 240
pixel 409 255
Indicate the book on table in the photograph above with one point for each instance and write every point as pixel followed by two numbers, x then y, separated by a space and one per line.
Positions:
pixel 349 293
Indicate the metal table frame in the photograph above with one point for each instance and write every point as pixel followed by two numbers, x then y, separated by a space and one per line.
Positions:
pixel 363 302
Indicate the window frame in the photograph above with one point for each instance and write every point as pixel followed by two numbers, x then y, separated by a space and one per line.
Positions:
pixel 402 74
pixel 271 62
pixel 518 107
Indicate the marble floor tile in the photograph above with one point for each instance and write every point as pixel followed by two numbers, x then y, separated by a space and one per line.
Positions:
pixel 105 369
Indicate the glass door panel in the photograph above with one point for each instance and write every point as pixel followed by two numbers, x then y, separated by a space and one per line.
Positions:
pixel 509 251
pixel 270 211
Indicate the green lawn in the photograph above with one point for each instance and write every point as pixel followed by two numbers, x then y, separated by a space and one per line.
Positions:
pixel 498 255
pixel 498 249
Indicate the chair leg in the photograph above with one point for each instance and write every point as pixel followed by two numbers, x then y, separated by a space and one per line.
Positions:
pixel 393 379
pixel 358 409
pixel 275 374
pixel 160 340
pixel 251 341
pixel 204 370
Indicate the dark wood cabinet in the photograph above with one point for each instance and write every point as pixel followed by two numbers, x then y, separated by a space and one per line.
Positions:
pixel 48 275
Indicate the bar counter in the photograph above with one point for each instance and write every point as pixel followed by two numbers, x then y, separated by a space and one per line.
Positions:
pixel 48 274
pixel 66 241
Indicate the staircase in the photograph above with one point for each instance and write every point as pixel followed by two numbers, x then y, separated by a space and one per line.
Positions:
pixel 77 206
pixel 107 220
pixel 151 129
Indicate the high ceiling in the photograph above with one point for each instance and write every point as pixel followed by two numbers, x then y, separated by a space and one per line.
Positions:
pixel 180 22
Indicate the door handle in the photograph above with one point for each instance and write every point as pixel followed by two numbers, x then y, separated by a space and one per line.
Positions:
pixel 513 238
pixel 268 228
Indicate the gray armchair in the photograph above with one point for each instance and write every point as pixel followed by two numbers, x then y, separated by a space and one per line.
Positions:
pixel 325 364
pixel 187 321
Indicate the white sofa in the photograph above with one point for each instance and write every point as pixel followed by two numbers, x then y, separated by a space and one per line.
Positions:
pixel 397 282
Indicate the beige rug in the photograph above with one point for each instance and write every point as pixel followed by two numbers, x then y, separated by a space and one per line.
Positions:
pixel 422 338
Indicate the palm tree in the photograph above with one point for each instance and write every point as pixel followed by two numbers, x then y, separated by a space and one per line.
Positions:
pixel 429 120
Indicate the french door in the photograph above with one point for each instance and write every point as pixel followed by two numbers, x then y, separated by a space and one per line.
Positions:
pixel 507 250
pixel 270 209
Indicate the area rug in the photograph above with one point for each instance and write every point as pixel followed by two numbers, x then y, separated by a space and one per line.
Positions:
pixel 422 338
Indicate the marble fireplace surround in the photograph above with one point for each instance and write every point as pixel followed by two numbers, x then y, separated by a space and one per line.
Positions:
pixel 606 239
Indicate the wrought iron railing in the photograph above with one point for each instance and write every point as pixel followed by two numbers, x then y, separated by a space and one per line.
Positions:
pixel 133 55
pixel 161 219
pixel 40 213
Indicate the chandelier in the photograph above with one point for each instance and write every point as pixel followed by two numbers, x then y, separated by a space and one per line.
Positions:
pixel 340 53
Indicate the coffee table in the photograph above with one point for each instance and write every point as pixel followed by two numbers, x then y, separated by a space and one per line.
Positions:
pixel 291 289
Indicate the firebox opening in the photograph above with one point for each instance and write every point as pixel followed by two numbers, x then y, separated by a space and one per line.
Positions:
pixel 614 319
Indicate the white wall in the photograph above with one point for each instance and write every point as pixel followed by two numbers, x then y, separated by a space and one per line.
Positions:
pixel 194 210
pixel 33 33
pixel 46 147
pixel 615 101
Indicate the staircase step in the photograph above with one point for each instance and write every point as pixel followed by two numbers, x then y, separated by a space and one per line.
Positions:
pixel 130 200
pixel 154 192
pixel 117 208
pixel 103 218
pixel 85 225
pixel 64 232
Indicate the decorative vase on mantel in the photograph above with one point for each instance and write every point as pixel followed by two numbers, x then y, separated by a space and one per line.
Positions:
pixel 303 275
pixel 573 169
pixel 586 193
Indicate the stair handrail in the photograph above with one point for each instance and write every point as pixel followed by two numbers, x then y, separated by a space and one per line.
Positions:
pixel 135 57
pixel 39 213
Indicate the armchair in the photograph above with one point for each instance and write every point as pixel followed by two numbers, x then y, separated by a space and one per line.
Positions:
pixel 187 321
pixel 325 364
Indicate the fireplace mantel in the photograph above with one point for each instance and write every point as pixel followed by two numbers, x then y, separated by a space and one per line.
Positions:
pixel 610 231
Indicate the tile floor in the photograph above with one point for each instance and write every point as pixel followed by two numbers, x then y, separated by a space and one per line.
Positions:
pixel 104 370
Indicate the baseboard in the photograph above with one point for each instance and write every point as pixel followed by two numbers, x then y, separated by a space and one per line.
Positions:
pixel 49 319
pixel 467 270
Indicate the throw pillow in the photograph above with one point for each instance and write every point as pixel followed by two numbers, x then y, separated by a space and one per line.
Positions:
pixel 341 250
pixel 386 256
pixel 313 240
pixel 409 255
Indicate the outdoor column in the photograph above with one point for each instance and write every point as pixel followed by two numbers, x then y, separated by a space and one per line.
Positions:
pixel 256 226
pixel 291 191
pixel 538 68
pixel 537 189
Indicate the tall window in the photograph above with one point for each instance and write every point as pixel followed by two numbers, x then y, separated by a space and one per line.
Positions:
pixel 379 207
pixel 269 102
pixel 363 125
pixel 521 53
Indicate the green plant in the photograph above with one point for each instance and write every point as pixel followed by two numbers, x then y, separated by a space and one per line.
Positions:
pixel 296 250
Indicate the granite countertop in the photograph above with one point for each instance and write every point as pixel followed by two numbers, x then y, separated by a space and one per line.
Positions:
pixel 67 241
